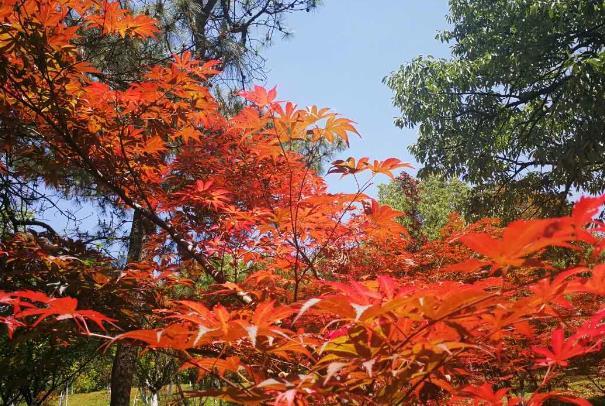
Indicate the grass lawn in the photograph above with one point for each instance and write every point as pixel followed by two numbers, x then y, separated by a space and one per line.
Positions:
pixel 101 398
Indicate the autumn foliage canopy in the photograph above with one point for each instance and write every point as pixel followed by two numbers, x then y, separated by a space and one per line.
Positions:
pixel 253 273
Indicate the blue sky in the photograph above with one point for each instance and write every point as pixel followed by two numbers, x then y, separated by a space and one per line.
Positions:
pixel 339 55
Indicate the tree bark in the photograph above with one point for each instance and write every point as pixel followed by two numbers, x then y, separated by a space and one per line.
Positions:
pixel 122 372
pixel 125 360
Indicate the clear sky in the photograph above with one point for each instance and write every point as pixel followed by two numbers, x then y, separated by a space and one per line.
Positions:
pixel 339 55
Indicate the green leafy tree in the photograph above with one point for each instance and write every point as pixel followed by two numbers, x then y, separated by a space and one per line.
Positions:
pixel 427 203
pixel 35 366
pixel 154 371
pixel 519 105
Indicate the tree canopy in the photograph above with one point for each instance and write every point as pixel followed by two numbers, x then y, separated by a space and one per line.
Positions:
pixel 233 32
pixel 519 105
pixel 427 203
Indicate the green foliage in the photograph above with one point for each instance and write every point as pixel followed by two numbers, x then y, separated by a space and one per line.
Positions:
pixel 432 203
pixel 154 371
pixel 515 201
pixel 40 365
pixel 520 103
pixel 439 197
pixel 96 376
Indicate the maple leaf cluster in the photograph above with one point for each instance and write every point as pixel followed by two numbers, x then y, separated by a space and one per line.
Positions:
pixel 253 271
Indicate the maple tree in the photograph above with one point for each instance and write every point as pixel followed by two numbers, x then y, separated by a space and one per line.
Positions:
pixel 251 272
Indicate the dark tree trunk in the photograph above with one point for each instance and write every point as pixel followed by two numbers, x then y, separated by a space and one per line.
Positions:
pixel 122 372
pixel 124 363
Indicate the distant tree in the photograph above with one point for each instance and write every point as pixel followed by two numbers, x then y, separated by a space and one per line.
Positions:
pixel 519 105
pixel 154 371
pixel 427 203
pixel 39 365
